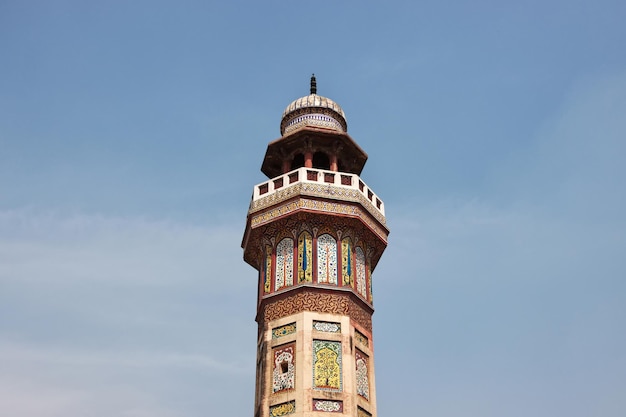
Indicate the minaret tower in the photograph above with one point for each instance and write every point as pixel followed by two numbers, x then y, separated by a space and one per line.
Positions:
pixel 315 232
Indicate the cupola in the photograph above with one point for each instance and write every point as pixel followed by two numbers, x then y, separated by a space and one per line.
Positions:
pixel 314 134
pixel 314 111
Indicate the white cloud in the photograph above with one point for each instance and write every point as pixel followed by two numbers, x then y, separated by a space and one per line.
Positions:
pixel 52 247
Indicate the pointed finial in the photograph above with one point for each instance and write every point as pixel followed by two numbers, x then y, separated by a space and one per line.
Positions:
pixel 313 85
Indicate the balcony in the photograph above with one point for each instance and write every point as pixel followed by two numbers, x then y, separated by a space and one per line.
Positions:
pixel 338 180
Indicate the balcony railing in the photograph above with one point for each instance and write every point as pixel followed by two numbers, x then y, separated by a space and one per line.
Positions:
pixel 320 176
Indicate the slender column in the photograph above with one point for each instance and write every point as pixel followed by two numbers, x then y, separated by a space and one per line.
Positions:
pixel 333 163
pixel 286 166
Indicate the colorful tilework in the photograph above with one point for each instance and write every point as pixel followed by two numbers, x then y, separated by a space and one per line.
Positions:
pixel 327 259
pixel 284 372
pixel 362 375
pixel 327 374
pixel 267 270
pixel 369 275
pixel 283 330
pixel 347 267
pixel 284 263
pixel 328 406
pixel 325 326
pixel 283 409
pixel 361 338
pixel 360 272
pixel 305 257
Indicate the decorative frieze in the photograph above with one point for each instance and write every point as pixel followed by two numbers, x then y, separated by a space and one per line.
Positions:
pixel 320 206
pixel 317 190
pixel 318 302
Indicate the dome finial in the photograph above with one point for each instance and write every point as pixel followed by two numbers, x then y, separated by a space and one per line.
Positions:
pixel 313 85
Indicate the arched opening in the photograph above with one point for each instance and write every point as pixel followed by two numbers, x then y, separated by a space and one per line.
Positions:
pixel 297 162
pixel 321 161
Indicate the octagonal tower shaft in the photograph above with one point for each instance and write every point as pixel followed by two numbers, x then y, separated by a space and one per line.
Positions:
pixel 315 232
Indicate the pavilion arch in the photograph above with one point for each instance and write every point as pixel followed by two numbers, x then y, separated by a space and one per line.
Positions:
pixel 297 161
pixel 321 160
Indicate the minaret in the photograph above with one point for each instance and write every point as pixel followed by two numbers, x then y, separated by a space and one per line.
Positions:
pixel 315 232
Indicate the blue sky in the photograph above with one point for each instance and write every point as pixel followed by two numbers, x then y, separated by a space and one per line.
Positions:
pixel 132 133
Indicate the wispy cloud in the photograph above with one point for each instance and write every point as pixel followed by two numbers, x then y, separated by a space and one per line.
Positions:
pixel 110 313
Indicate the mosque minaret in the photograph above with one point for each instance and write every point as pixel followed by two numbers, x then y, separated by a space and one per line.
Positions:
pixel 314 232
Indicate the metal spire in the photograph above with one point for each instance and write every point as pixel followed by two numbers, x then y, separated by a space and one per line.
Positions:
pixel 313 85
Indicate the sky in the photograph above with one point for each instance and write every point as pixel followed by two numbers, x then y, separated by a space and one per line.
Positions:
pixel 132 134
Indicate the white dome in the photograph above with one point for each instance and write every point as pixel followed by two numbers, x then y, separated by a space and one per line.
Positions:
pixel 314 111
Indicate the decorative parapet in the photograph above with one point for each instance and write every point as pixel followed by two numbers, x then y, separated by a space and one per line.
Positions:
pixel 319 183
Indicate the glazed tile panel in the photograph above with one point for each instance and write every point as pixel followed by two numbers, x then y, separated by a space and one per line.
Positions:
pixel 285 330
pixel 283 409
pixel 362 375
pixel 305 257
pixel 284 373
pixel 361 338
pixel 328 406
pixel 267 272
pixel 361 286
pixel 327 259
pixel 284 263
pixel 325 326
pixel 347 269
pixel 327 375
